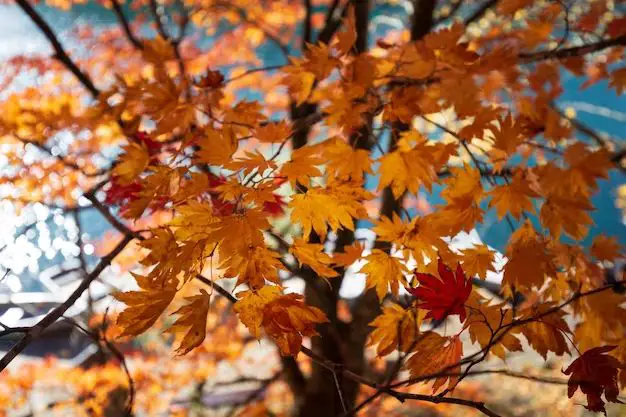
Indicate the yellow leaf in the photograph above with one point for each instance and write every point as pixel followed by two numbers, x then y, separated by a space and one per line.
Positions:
pixel 287 319
pixel 464 183
pixel 415 163
pixel 319 61
pixel 254 267
pixel 320 208
pixel 143 307
pixel 349 255
pixel 250 306
pixel 345 162
pixel 216 146
pixel 313 255
pixel 252 161
pixel 390 230
pixel 132 163
pixel 395 328
pixel 383 271
pixel 347 35
pixel 273 132
pixel 299 81
pixel 191 323
pixel 302 166
pixel 478 260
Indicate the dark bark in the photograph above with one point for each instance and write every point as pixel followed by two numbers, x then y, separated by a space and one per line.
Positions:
pixel 344 343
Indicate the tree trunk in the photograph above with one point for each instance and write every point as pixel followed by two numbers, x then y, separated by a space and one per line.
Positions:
pixel 326 393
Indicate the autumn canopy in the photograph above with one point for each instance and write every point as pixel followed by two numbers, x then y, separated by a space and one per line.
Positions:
pixel 253 160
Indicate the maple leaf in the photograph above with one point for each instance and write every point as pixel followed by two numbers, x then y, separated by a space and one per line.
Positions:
pixel 216 146
pixel 250 304
pixel 298 80
pixel 346 37
pixel 247 225
pixel 210 79
pixel 478 261
pixel 463 184
pixel 443 296
pixel 143 307
pixel 253 266
pixel 319 60
pixel 415 163
pixel 435 354
pixel 344 161
pixel 121 193
pixel 507 136
pixel 302 166
pixel 484 319
pixel 390 229
pixel 395 328
pixel 586 167
pixel 274 132
pixel 253 161
pixel 244 116
pixel 191 323
pixel 416 61
pixel 313 255
pixel 319 208
pixel 383 271
pixel 548 333
pixel 569 214
pixel 514 197
pixel 529 259
pixel 349 255
pixel 132 163
pixel 276 207
pixel 606 248
pixel 595 373
pixel 287 319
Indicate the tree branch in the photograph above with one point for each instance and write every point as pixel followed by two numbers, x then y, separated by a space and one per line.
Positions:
pixel 119 13
pixel 528 58
pixel 308 14
pixel 58 311
pixel 480 12
pixel 59 52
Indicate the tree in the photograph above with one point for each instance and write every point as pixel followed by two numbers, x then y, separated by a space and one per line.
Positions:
pixel 257 155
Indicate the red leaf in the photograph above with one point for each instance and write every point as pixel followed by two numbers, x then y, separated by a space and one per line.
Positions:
pixel 276 207
pixel 120 193
pixel 445 296
pixel 595 372
pixel 153 146
pixel 211 79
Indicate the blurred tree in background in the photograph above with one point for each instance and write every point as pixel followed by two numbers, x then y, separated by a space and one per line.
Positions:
pixel 256 160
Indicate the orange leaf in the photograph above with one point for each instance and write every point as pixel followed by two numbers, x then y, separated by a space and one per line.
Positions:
pixel 435 354
pixel 192 322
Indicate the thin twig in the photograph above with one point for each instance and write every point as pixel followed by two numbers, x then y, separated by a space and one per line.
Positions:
pixel 60 53
pixel 59 310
